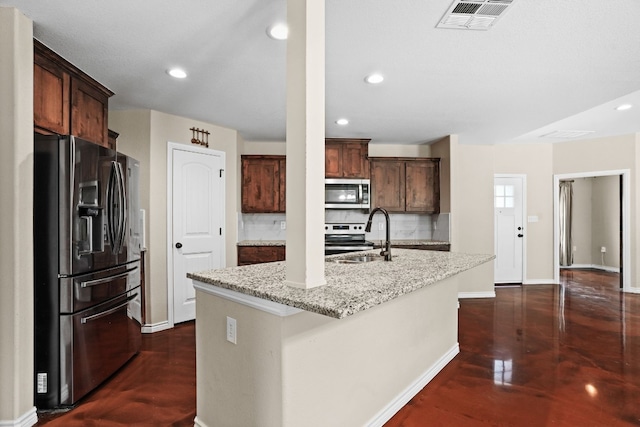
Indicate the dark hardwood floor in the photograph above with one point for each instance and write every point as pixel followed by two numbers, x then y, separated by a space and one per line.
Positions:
pixel 538 355
pixel 156 388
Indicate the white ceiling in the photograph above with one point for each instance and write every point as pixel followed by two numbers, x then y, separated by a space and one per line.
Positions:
pixel 547 65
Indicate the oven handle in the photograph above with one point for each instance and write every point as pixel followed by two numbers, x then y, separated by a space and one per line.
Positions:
pixel 107 312
pixel 106 279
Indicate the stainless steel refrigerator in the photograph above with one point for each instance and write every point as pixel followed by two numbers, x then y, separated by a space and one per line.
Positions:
pixel 86 266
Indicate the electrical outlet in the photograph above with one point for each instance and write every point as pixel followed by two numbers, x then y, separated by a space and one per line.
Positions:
pixel 283 225
pixel 381 226
pixel 603 249
pixel 232 330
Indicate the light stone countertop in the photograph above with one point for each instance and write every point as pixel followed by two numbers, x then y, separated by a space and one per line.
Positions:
pixel 350 288
pixel 414 242
pixel 404 242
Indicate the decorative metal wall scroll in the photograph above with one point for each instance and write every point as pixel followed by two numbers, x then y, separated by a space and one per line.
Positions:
pixel 200 136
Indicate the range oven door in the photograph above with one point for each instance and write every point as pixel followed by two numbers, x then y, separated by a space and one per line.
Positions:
pixel 95 343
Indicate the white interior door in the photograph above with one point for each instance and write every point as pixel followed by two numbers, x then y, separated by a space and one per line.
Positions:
pixel 198 215
pixel 509 229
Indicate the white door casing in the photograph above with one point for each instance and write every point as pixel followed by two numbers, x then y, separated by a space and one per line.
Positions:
pixel 196 237
pixel 509 228
pixel 627 286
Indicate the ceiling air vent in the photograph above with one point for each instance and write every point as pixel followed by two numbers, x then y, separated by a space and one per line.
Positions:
pixel 474 14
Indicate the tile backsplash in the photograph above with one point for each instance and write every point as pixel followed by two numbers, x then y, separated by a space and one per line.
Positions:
pixel 403 226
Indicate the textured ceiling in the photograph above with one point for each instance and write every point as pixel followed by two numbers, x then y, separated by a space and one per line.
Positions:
pixel 546 65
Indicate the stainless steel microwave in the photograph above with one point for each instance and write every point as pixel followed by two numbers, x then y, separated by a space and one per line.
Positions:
pixel 347 193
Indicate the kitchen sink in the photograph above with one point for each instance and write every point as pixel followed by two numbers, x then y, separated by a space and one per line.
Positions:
pixel 358 259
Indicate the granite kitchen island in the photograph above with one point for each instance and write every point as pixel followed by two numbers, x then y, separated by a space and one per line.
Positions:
pixel 349 353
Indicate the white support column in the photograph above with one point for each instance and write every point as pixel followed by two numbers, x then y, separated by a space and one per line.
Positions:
pixel 16 224
pixel 305 143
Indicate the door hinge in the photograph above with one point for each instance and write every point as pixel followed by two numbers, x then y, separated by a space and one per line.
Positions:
pixel 221 170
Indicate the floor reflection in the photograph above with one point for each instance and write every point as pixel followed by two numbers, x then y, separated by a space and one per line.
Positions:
pixel 541 355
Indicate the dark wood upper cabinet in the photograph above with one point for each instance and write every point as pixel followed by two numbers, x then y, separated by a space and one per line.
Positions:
pixel 263 184
pixel 346 158
pixel 388 184
pixel 89 113
pixel 66 100
pixel 406 184
pixel 113 139
pixel 51 91
pixel 423 185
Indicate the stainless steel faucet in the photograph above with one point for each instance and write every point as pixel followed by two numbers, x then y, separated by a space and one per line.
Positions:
pixel 386 252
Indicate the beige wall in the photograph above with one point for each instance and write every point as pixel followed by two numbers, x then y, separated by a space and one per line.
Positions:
pixel 534 161
pixel 606 154
pixel 16 225
pixel 606 221
pixel 144 134
pixel 472 211
pixel 581 224
pixel 395 150
pixel 265 148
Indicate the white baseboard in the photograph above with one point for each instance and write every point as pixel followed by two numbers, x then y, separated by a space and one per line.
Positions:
pixel 156 327
pixel 593 266
pixel 632 290
pixel 198 423
pixel 28 419
pixel 486 294
pixel 539 282
pixel 407 394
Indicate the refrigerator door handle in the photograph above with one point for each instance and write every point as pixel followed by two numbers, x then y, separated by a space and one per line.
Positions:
pixel 122 208
pixel 110 211
pixel 84 320
pixel 97 282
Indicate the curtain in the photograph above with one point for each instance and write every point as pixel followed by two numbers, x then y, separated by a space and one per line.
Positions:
pixel 566 196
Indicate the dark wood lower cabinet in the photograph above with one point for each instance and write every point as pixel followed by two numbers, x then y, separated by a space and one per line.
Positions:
pixel 258 254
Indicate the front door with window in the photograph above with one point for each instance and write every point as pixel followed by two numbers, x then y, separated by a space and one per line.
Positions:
pixel 509 229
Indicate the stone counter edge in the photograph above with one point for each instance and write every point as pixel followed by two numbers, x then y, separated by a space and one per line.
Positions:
pixel 347 291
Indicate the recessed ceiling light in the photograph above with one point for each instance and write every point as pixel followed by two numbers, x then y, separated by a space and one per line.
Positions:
pixel 623 107
pixel 278 31
pixel 342 122
pixel 374 79
pixel 177 73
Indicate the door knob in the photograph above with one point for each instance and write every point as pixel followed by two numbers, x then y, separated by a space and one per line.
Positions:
pixel 519 228
pixel 519 235
pixel 178 245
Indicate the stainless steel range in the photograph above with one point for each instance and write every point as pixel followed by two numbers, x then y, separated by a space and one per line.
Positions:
pixel 341 238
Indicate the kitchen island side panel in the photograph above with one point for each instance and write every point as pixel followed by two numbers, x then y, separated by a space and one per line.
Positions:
pixel 358 371
pixel 237 384
pixel 313 370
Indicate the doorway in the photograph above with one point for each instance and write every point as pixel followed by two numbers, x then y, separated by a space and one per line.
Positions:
pixel 625 215
pixel 195 218
pixel 509 232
